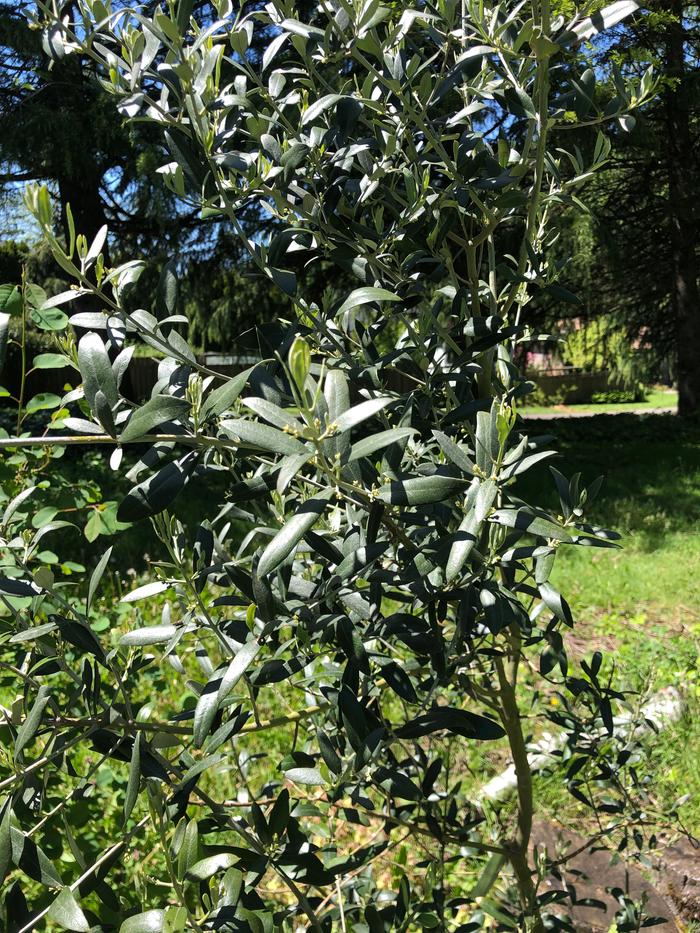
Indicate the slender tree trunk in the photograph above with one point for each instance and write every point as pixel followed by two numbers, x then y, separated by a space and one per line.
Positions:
pixel 680 160
pixel 79 179
pixel 79 182
pixel 83 195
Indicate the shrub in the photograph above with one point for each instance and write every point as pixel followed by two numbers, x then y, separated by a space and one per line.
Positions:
pixel 619 396
pixel 541 397
pixel 349 626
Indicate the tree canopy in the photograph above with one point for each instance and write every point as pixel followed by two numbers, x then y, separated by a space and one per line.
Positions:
pixel 362 549
pixel 57 125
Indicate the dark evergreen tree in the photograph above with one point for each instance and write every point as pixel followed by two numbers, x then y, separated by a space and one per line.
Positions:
pixel 642 236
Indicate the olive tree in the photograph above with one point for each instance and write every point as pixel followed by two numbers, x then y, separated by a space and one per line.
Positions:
pixel 366 618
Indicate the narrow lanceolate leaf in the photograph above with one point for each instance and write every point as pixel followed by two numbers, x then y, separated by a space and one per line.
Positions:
pixel 555 602
pixel 421 490
pixel 18 587
pixel 528 523
pixel 66 912
pixel 96 577
pixel 237 668
pixel 134 782
pixel 454 75
pixel 199 767
pixel 80 636
pixel 32 860
pixel 278 817
pixel 301 29
pixel 359 413
pixel 604 19
pixel 464 543
pixel 189 849
pixel 292 532
pixel 396 784
pixel 484 499
pixel 121 362
pixel 299 362
pixel 363 296
pixel 30 634
pixel 262 436
pixel 486 439
pixel 456 453
pixel 319 106
pixel 515 469
pixel 157 492
pixel 218 688
pixel 307 776
pixel 328 752
pixel 336 392
pixel 272 48
pixel 155 412
pixel 4 331
pixel 5 840
pixel 82 426
pixel 96 246
pixel 96 370
pixel 489 875
pixel 399 681
pixel 151 921
pixel 221 399
pixel 457 721
pixel 272 413
pixel 369 445
pixel 184 12
pixel 357 560
pixel 30 726
pixel 289 468
pixel 209 866
pixel 14 504
pixel 149 635
pixel 145 591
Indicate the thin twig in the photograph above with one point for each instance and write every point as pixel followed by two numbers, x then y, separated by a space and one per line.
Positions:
pixel 32 925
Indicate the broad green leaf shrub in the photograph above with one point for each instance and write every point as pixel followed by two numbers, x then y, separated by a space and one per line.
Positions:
pixel 619 396
pixel 294 712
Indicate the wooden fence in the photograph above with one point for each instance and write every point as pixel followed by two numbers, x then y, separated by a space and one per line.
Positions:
pixel 566 386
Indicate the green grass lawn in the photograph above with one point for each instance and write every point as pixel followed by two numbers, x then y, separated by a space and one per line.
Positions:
pixel 639 604
pixel 658 398
pixel 651 495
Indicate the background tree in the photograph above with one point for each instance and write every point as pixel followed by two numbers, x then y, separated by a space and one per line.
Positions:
pixel 57 125
pixel 635 256
pixel 362 551
pixel 643 202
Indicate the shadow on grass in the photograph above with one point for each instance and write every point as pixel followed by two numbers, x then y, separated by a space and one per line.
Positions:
pixel 651 465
